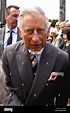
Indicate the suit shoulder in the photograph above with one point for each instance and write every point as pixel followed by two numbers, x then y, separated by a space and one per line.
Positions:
pixel 15 46
pixel 62 56
pixel 57 51
pixel 2 30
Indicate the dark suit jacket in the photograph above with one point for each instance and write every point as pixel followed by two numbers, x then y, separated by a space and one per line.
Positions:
pixel 38 92
pixel 2 35
pixel 2 90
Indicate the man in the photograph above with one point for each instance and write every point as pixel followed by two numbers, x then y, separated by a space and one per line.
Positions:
pixel 47 85
pixel 11 17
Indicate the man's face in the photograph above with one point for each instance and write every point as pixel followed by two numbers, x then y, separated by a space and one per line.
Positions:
pixel 11 19
pixel 34 32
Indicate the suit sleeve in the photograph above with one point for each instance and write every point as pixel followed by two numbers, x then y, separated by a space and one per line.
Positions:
pixel 11 98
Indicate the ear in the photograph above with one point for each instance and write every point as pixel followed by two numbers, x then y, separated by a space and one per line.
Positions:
pixel 5 16
pixel 20 33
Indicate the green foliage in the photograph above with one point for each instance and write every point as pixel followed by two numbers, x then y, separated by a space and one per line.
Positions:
pixel 53 22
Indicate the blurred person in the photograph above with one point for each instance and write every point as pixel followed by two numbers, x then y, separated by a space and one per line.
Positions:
pixel 66 37
pixel 62 25
pixel 49 38
pixel 49 81
pixel 66 47
pixel 54 33
pixel 68 24
pixel 57 25
pixel 11 17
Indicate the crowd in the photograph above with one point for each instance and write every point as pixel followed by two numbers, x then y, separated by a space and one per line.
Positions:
pixel 35 59
pixel 57 32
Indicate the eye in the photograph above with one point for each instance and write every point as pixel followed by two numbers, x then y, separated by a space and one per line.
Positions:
pixel 15 16
pixel 40 30
pixel 29 31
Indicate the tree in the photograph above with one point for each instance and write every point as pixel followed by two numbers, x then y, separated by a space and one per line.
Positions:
pixel 53 22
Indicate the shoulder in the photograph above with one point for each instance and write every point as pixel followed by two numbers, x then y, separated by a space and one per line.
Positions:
pixel 2 29
pixel 57 52
pixel 61 57
pixel 13 47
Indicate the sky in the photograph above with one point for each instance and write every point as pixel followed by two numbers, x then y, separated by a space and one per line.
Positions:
pixel 50 7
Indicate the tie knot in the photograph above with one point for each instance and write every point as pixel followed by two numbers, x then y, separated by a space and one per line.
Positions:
pixel 33 60
pixel 10 31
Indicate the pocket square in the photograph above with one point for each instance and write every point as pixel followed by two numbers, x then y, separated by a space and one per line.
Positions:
pixel 53 76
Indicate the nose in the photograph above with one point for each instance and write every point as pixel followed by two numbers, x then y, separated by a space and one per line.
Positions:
pixel 35 36
pixel 16 18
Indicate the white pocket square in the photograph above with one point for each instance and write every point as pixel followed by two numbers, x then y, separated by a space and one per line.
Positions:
pixel 53 76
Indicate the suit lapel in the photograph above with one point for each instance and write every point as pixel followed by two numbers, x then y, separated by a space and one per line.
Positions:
pixel 18 37
pixel 24 67
pixel 44 70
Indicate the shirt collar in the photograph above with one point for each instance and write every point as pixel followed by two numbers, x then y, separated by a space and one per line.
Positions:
pixel 36 53
pixel 14 30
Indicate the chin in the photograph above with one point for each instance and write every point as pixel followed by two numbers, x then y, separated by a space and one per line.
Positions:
pixel 36 50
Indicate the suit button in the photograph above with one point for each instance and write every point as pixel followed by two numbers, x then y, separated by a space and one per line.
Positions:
pixel 10 73
pixel 34 95
pixel 46 63
pixel 22 63
pixel 10 52
pixel 10 95
pixel 59 95
pixel 22 84
pixel 46 104
pixel 59 52
pixel 35 74
pixel 47 84
pixel 22 105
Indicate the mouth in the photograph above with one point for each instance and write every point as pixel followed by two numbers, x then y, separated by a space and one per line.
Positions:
pixel 36 45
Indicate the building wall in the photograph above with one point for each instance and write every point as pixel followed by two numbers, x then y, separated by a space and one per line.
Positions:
pixel 2 10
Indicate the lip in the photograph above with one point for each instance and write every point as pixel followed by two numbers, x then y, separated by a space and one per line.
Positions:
pixel 36 45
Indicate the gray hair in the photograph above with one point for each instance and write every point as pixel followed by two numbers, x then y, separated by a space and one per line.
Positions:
pixel 31 12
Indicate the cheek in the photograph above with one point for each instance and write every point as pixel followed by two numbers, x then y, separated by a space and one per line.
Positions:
pixel 44 37
pixel 65 37
pixel 26 39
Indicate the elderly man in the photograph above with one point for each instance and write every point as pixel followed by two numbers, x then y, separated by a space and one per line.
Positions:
pixel 36 72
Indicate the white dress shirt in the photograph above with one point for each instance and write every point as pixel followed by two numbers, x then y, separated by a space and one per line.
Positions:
pixel 38 54
pixel 7 34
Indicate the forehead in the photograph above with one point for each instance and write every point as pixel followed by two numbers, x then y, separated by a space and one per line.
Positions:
pixel 35 19
pixel 13 10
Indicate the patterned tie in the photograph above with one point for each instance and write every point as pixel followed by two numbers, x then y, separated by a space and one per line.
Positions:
pixel 10 39
pixel 34 64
